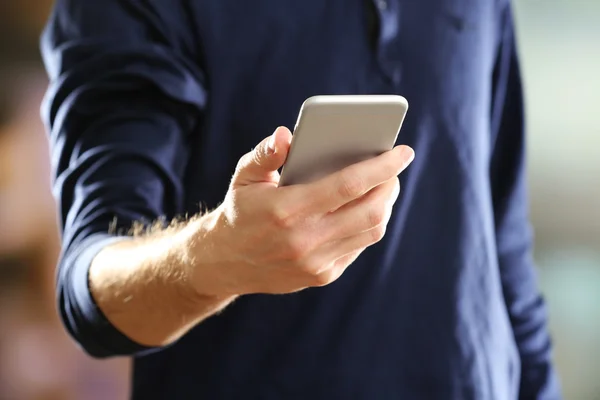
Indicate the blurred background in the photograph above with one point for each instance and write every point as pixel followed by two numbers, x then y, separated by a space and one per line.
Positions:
pixel 560 50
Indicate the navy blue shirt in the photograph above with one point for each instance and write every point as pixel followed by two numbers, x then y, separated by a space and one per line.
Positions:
pixel 152 103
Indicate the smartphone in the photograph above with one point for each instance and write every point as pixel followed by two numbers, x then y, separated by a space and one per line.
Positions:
pixel 333 132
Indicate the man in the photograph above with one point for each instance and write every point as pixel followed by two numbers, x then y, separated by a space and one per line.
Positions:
pixel 151 106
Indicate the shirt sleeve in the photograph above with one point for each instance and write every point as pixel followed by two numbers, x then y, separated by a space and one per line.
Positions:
pixel 525 305
pixel 123 100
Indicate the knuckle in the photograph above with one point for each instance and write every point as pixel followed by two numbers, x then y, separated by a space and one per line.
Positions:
pixel 297 248
pixel 309 270
pixel 310 267
pixel 329 276
pixel 378 233
pixel 323 279
pixel 256 155
pixel 350 185
pixel 375 216
pixel 280 216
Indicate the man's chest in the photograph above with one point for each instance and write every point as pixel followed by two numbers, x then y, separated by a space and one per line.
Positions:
pixel 332 37
pixel 263 59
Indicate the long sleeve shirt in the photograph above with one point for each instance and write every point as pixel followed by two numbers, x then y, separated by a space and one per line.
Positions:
pixel 151 104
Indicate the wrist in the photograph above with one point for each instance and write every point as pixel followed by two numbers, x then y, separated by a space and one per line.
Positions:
pixel 202 270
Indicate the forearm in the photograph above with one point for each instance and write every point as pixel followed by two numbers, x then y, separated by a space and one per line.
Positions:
pixel 120 109
pixel 143 288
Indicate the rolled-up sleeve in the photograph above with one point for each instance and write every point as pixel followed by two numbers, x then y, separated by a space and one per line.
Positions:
pixel 123 101
pixel 526 307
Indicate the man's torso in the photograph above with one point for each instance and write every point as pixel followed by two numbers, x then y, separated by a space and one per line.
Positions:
pixel 419 315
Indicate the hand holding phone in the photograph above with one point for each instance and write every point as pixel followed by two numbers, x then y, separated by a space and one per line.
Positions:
pixel 306 232
pixel 269 239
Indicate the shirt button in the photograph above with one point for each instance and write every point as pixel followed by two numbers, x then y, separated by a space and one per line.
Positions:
pixel 382 4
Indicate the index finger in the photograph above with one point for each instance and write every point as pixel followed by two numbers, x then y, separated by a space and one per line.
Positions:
pixel 342 187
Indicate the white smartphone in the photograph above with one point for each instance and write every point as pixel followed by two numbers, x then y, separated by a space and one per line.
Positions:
pixel 333 132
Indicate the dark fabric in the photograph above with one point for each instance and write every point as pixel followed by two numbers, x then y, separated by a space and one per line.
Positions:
pixel 150 106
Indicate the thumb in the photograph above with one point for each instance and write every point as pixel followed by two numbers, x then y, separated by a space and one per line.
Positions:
pixel 262 163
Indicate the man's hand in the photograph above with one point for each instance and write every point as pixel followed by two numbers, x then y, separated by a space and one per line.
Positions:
pixel 269 239
pixel 262 239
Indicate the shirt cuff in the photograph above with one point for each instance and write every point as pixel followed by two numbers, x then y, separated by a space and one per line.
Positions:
pixel 92 329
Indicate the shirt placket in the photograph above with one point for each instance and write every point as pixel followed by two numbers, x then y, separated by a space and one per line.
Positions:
pixel 388 57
